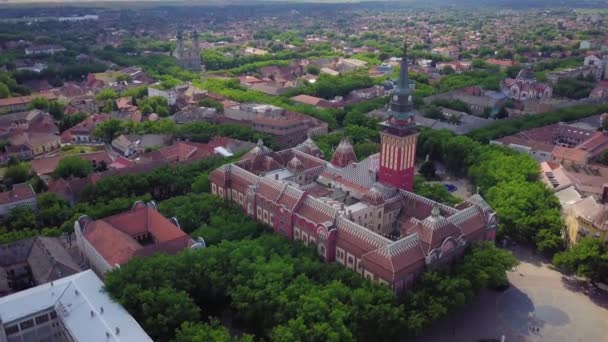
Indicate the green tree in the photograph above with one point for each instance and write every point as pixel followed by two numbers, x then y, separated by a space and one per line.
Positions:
pixel 211 103
pixel 20 218
pixel 40 103
pixel 72 166
pixel 525 209
pixel 52 209
pixel 106 94
pixel 313 69
pixel 587 258
pixel 108 130
pixel 603 157
pixel 4 91
pixel 203 332
pixel 162 311
pixel 433 112
pixel 16 173
pixel 56 110
pixel 427 170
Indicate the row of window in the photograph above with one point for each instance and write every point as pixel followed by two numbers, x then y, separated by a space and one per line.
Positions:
pixel 41 319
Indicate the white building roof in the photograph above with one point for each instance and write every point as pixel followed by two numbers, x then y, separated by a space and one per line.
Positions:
pixel 79 301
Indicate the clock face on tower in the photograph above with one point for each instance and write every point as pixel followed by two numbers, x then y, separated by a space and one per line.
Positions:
pixel 395 98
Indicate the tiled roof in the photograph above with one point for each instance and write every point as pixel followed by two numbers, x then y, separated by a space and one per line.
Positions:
pixel 113 237
pixel 20 192
pixel 46 165
pixel 316 211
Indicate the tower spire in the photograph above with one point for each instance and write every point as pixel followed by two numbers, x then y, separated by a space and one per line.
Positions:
pixel 404 77
pixel 401 113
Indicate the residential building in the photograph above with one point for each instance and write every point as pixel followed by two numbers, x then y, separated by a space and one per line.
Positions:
pixel 598 64
pixel 21 103
pixel 82 133
pixel 71 309
pixel 46 165
pixel 34 261
pixel 587 218
pixel 20 195
pixel 195 114
pixel 129 145
pixel 314 101
pixel 112 241
pixel 359 214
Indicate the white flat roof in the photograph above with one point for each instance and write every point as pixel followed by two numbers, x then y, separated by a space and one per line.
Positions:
pixel 74 299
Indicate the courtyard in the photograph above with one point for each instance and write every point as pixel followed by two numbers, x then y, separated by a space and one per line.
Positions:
pixel 540 305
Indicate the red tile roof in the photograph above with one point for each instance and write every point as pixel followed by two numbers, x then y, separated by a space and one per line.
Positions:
pixel 114 237
pixel 19 192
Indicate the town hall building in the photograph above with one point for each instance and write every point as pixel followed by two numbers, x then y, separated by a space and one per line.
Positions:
pixel 360 214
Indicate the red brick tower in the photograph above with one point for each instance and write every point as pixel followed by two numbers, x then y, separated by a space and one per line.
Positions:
pixel 398 135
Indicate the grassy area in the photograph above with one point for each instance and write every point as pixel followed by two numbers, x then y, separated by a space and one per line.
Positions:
pixel 70 150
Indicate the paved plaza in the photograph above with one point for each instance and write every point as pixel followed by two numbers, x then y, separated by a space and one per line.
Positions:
pixel 540 305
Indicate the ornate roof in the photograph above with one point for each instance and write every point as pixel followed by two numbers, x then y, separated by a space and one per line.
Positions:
pixel 309 147
pixel 344 154
pixel 295 165
pixel 373 196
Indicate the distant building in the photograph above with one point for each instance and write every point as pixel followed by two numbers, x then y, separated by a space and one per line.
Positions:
pixel 82 133
pixel 525 87
pixel 20 195
pixel 462 124
pixel 31 262
pixel 129 145
pixel 289 128
pixel 74 308
pixel 43 50
pixel 47 165
pixel 481 102
pixel 559 142
pixel 21 103
pixel 188 58
pixel 112 241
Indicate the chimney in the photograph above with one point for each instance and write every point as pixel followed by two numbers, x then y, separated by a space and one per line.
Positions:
pixel 605 193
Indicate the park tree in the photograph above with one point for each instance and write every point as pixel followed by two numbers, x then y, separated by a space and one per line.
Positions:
pixel 587 258
pixel 163 310
pixel 203 332
pixel 525 209
pixel 427 170
pixel 72 166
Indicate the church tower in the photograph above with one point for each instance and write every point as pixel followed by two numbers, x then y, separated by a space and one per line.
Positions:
pixel 398 136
